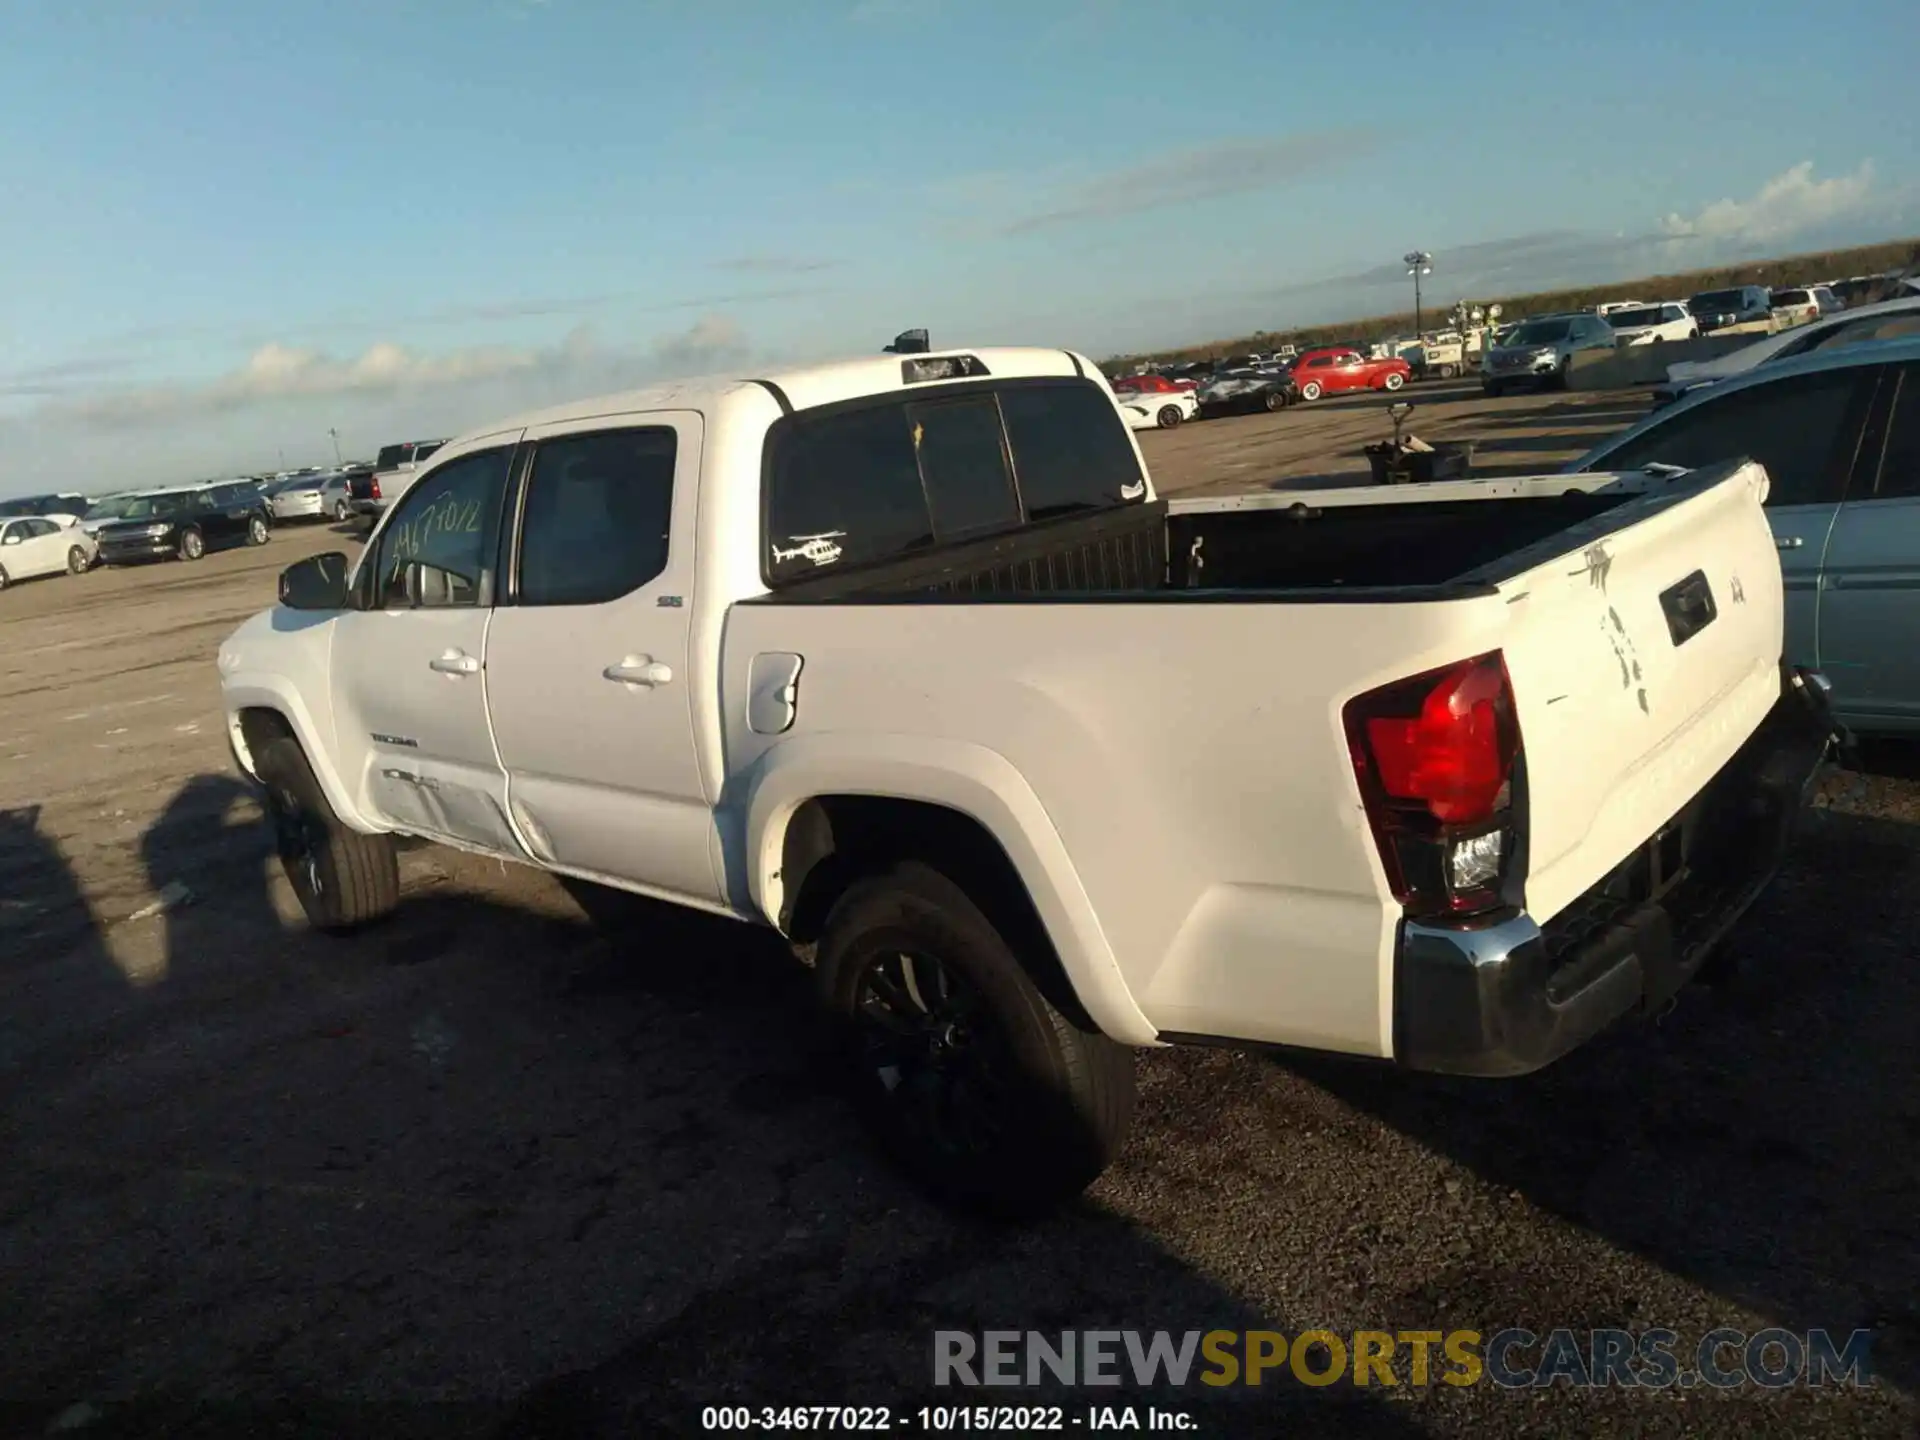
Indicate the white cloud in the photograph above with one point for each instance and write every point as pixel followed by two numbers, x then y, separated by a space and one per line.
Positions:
pixel 1790 203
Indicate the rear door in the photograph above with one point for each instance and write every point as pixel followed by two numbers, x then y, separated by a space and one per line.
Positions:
pixel 592 685
pixel 1806 430
pixel 409 678
pixel 1870 596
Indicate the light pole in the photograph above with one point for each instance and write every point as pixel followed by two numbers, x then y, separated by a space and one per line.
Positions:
pixel 335 435
pixel 1419 263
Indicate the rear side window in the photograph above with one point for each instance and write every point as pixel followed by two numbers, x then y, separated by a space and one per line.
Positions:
pixel 598 510
pixel 882 481
pixel 1900 461
pixel 844 489
pixel 1791 297
pixel 1794 427
pixel 1069 449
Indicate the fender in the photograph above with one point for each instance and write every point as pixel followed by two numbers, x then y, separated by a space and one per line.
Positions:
pixel 968 778
pixel 260 690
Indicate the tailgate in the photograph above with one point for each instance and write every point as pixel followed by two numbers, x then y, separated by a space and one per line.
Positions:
pixel 1640 661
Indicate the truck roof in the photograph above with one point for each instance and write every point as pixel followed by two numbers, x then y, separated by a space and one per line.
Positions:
pixel 804 387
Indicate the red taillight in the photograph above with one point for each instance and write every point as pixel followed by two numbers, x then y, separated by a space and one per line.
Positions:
pixel 1435 759
pixel 373 487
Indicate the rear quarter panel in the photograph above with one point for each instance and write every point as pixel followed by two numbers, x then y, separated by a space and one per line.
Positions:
pixel 1188 756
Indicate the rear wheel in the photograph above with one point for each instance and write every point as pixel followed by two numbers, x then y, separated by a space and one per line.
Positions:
pixel 256 531
pixel 341 877
pixel 341 511
pixel 1447 372
pixel 983 1091
pixel 1275 400
pixel 192 545
pixel 1310 390
pixel 1169 417
pixel 1394 380
pixel 76 560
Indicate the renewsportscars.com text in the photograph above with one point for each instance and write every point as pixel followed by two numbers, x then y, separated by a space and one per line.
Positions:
pixel 1512 1358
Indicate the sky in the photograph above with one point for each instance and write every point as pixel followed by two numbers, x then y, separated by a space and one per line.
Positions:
pixel 229 229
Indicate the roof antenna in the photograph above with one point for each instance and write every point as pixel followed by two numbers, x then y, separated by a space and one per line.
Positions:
pixel 909 342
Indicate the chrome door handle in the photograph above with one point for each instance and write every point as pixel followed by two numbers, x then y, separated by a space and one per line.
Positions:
pixel 455 662
pixel 639 670
pixel 1787 542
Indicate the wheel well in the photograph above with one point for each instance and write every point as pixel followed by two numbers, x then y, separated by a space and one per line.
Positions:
pixel 835 840
pixel 258 727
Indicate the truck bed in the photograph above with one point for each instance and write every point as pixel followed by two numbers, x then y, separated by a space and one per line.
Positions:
pixel 1441 541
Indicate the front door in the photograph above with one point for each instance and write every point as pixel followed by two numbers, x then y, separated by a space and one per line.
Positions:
pixel 596 729
pixel 1870 598
pixel 410 667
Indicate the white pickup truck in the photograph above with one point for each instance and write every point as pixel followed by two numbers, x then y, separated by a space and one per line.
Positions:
pixel 904 658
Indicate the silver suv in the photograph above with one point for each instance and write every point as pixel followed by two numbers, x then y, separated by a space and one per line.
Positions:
pixel 1539 352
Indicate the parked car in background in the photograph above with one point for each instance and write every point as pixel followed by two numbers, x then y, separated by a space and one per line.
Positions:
pixel 1740 308
pixel 1845 514
pixel 1264 387
pixel 1540 352
pixel 311 497
pixel 1614 307
pixel 1150 383
pixel 35 545
pixel 393 470
pixel 1652 324
pixel 1888 320
pixel 64 507
pixel 186 523
pixel 1163 411
pixel 107 509
pixel 1336 371
pixel 1804 303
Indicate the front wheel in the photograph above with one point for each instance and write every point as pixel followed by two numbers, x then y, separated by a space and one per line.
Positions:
pixel 1447 372
pixel 1275 400
pixel 1310 390
pixel 77 560
pixel 341 511
pixel 256 530
pixel 1169 417
pixel 1395 380
pixel 192 545
pixel 983 1091
pixel 341 877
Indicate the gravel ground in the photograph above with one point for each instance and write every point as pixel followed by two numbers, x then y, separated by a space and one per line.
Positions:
pixel 479 1171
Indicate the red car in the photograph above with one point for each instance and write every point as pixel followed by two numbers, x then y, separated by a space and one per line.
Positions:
pixel 1151 384
pixel 1329 372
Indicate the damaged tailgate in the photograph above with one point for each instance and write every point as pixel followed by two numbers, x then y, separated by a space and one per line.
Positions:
pixel 1640 659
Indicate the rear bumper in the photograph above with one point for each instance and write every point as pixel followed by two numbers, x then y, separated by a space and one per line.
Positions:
pixel 1513 996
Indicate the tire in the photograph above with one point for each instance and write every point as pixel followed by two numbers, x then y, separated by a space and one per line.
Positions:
pixel 1169 417
pixel 193 545
pixel 1447 372
pixel 341 512
pixel 257 532
pixel 1275 400
pixel 973 1082
pixel 1310 390
pixel 3 577
pixel 1393 381
pixel 343 879
pixel 77 561
pixel 1559 380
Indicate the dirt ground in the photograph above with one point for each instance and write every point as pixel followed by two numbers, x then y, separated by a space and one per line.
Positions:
pixel 482 1171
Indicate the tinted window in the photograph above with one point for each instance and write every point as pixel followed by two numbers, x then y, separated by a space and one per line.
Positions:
pixel 448 521
pixel 1790 426
pixel 596 518
pixel 1877 327
pixel 1318 361
pixel 844 487
pixel 1900 462
pixel 390 456
pixel 1070 450
pixel 963 463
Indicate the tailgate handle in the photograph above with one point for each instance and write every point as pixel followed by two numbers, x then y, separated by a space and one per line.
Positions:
pixel 1787 542
pixel 1688 606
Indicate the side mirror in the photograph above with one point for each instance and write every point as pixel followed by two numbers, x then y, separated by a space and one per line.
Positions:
pixel 316 583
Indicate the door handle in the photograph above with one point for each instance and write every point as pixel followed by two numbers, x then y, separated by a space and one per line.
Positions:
pixel 455 662
pixel 1787 542
pixel 639 670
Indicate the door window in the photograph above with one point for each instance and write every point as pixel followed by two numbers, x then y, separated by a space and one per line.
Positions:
pixel 1794 427
pixel 448 522
pixel 1900 461
pixel 597 514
